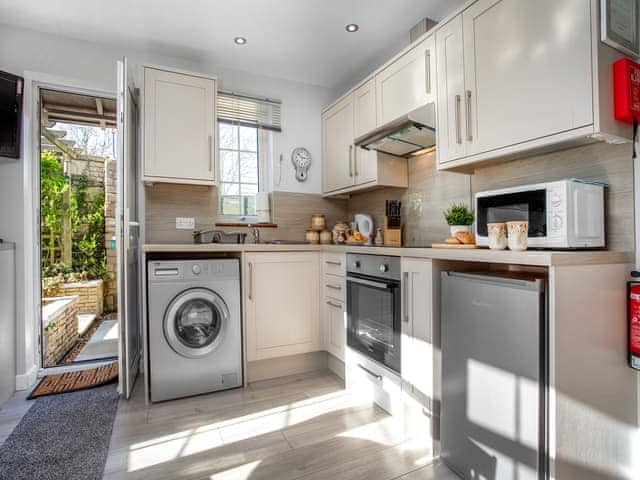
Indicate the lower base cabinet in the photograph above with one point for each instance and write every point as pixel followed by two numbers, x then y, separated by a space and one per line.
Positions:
pixel 282 302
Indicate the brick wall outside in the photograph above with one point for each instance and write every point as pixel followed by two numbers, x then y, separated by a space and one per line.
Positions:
pixel 110 190
pixel 90 295
pixel 61 333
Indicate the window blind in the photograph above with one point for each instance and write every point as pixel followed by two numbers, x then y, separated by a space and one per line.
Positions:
pixel 246 110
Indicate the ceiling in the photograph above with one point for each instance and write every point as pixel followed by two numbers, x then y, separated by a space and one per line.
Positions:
pixel 300 40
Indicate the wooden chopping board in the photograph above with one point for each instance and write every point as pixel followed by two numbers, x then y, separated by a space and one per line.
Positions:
pixel 461 246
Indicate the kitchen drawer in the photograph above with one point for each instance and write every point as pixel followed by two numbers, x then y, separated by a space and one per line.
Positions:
pixel 372 381
pixel 334 264
pixel 334 287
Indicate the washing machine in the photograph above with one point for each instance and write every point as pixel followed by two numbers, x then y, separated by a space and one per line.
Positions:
pixel 195 331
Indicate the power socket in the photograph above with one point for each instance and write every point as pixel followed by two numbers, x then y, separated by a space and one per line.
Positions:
pixel 185 223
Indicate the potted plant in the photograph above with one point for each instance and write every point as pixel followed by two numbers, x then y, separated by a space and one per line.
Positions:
pixel 459 218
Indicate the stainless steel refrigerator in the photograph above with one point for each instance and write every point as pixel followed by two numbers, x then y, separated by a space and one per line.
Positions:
pixel 494 375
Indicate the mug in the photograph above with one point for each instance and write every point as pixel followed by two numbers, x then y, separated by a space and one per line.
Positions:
pixel 518 233
pixel 497 236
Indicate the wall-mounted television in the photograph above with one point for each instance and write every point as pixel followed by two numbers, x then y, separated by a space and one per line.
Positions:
pixel 11 92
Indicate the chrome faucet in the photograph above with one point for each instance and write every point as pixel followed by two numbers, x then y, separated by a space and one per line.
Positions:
pixel 255 233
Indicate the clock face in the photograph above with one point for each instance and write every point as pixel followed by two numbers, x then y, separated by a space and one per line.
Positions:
pixel 301 157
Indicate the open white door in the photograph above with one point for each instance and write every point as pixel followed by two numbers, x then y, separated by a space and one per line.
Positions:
pixel 127 232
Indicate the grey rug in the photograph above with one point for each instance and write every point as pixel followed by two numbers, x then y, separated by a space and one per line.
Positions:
pixel 62 436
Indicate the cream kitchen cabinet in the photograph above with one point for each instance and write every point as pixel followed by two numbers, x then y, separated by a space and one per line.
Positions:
pixel 417 346
pixel 347 168
pixel 334 306
pixel 282 292
pixel 513 78
pixel 407 83
pixel 180 140
pixel 365 165
pixel 337 145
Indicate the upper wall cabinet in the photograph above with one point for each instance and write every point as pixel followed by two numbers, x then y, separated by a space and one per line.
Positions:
pixel 346 167
pixel 514 76
pixel 407 83
pixel 179 128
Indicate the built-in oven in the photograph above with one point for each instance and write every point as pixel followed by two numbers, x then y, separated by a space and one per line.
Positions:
pixel 374 307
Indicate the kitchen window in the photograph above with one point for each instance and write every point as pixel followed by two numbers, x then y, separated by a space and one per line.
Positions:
pixel 245 125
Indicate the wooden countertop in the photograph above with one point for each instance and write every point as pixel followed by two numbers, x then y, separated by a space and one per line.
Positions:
pixel 530 257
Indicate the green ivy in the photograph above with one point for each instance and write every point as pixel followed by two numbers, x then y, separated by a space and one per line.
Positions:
pixel 87 214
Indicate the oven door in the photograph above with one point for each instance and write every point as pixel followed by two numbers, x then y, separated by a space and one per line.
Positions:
pixel 373 318
pixel 526 205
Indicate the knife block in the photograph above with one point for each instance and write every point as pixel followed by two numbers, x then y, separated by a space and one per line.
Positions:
pixel 392 232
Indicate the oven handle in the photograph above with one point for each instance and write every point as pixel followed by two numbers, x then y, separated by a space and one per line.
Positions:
pixel 373 374
pixel 370 283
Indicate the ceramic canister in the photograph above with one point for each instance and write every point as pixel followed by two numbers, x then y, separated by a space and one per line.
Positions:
pixel 497 235
pixel 517 232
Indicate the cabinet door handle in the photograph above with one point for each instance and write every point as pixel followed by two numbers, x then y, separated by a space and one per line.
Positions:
pixel 355 162
pixel 210 153
pixel 350 164
pixel 467 101
pixel 374 375
pixel 427 70
pixel 457 111
pixel 335 305
pixel 330 262
pixel 250 281
pixel 405 297
pixel 333 287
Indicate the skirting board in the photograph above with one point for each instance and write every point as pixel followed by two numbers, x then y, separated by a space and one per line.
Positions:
pixel 335 365
pixel 283 366
pixel 26 380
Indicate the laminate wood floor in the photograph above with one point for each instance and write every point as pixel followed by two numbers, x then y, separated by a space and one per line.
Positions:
pixel 304 427
pixel 300 427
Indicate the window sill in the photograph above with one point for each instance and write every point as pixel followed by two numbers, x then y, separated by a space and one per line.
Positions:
pixel 246 224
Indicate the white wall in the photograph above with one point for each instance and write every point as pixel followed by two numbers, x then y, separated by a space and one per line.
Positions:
pixel 94 66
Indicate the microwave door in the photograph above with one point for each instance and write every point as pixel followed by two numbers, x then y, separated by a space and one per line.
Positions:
pixel 527 206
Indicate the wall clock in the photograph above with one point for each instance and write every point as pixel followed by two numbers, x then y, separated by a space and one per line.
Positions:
pixel 301 159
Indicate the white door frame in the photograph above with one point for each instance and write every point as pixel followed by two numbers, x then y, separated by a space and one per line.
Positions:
pixel 34 82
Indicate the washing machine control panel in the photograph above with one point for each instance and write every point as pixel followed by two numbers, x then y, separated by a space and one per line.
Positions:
pixel 191 269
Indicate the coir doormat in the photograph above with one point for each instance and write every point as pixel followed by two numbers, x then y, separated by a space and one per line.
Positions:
pixel 74 381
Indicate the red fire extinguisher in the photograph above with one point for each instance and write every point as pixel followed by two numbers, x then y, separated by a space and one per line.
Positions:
pixel 633 308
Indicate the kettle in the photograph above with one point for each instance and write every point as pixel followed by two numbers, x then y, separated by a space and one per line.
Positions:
pixel 365 226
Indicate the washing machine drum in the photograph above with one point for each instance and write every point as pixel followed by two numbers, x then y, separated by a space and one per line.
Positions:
pixel 195 322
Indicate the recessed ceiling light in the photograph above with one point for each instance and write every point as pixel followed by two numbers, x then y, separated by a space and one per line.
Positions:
pixel 240 41
pixel 352 27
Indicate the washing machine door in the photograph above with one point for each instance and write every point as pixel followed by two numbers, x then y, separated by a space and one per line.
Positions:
pixel 195 322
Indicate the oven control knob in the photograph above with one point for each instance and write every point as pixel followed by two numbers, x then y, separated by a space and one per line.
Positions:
pixel 384 268
pixel 556 222
pixel 356 264
pixel 196 269
pixel 556 199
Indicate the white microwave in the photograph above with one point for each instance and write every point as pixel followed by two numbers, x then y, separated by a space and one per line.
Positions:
pixel 563 214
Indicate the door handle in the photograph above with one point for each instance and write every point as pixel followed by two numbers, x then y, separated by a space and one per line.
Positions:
pixel 374 375
pixel 330 262
pixel 427 70
pixel 467 102
pixel 210 154
pixel 250 281
pixel 405 297
pixel 333 287
pixel 331 304
pixel 350 165
pixel 355 162
pixel 457 112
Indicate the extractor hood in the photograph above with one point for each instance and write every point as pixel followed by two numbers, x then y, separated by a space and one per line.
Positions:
pixel 404 136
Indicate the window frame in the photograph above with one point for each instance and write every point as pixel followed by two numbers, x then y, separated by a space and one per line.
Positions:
pixel 264 156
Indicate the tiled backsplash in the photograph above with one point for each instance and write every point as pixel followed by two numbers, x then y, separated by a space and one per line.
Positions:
pixel 431 191
pixel 291 211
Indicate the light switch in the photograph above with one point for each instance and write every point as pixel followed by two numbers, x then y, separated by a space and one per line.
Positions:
pixel 185 223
